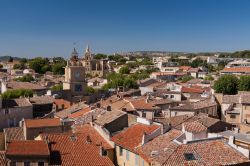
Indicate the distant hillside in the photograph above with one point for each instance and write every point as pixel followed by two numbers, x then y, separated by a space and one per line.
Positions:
pixel 6 58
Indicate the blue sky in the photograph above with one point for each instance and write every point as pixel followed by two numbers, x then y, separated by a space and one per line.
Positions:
pixel 30 28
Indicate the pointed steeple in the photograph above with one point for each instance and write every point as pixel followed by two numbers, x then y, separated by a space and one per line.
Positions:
pixel 74 55
pixel 87 49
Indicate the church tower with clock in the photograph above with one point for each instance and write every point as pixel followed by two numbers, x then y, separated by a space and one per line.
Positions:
pixel 75 81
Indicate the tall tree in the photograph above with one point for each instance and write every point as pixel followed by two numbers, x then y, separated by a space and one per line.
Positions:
pixel 227 84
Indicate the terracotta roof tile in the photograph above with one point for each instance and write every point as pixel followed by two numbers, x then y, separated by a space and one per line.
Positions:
pixel 210 152
pixel 196 89
pixel 142 104
pixel 194 127
pixel 27 148
pixel 80 113
pixel 237 69
pixel 132 136
pixel 81 148
pixel 36 123
pixel 3 160
pixel 13 133
pixel 61 102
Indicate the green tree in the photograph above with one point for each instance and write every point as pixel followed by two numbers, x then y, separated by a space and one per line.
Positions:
pixel 209 78
pixel 124 70
pixel 90 90
pixel 58 87
pixel 10 59
pixel 58 68
pixel 20 66
pixel 186 78
pixel 100 56
pixel 25 78
pixel 11 94
pixel 244 83
pixel 40 65
pixel 227 84
pixel 130 83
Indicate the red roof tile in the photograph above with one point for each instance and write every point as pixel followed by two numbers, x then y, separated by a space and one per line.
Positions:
pixel 28 148
pixel 195 89
pixel 142 104
pixel 79 113
pixel 61 102
pixel 237 69
pixel 210 152
pixel 132 137
pixel 194 127
pixel 82 148
pixel 36 123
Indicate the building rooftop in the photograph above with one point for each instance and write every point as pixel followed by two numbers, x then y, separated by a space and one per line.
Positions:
pixel 41 100
pixel 27 148
pixel 108 117
pixel 3 160
pixel 82 148
pixel 236 70
pixel 13 133
pixel 131 137
pixel 37 123
pixel 238 136
pixel 20 102
pixel 163 146
pixel 208 152
pixel 24 85
pixel 194 127
pixel 79 113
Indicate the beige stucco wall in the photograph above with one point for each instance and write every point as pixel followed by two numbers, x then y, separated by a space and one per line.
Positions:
pixel 122 161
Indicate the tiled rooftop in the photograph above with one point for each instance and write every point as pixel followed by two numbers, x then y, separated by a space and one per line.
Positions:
pixel 209 152
pixel 36 123
pixel 194 127
pixel 82 148
pixel 28 148
pixel 131 137
pixel 13 133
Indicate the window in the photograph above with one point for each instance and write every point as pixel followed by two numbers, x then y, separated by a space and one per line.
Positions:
pixel 78 88
pixel 136 160
pixel 232 116
pixel 144 114
pixel 172 96
pixel 26 163
pixel 189 156
pixel 120 151
pixel 40 163
pixel 12 122
pixel 127 155
pixel 12 163
pixel 6 111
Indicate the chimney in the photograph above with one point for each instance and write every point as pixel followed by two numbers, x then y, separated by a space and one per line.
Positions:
pixel 88 139
pixel 109 108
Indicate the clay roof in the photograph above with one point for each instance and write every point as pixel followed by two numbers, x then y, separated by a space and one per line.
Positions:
pixel 194 127
pixel 196 89
pixel 209 152
pixel 41 100
pixel 24 85
pixel 162 144
pixel 239 98
pixel 36 123
pixel 109 116
pixel 60 102
pixel 142 104
pixel 81 148
pixel 193 70
pixel 3 160
pixel 117 103
pixel 184 68
pixel 237 70
pixel 13 133
pixel 22 102
pixel 131 137
pixel 79 113
pixel 28 148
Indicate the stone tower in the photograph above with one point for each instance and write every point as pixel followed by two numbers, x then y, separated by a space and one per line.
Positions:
pixel 74 80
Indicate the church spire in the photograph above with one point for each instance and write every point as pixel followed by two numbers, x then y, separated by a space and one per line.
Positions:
pixel 74 55
pixel 87 49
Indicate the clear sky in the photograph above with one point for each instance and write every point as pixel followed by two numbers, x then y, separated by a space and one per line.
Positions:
pixel 30 28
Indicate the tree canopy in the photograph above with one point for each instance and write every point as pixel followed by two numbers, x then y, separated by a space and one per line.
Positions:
pixel 227 84
pixel 11 94
pixel 25 78
pixel 244 83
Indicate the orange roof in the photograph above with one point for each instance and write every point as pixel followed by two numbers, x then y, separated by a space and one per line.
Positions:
pixel 195 89
pixel 237 69
pixel 194 127
pixel 82 148
pixel 80 113
pixel 141 103
pixel 132 137
pixel 61 102
pixel 168 73
pixel 28 147
pixel 36 123
pixel 185 68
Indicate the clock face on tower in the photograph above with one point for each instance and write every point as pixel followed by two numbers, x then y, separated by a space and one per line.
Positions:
pixel 77 74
